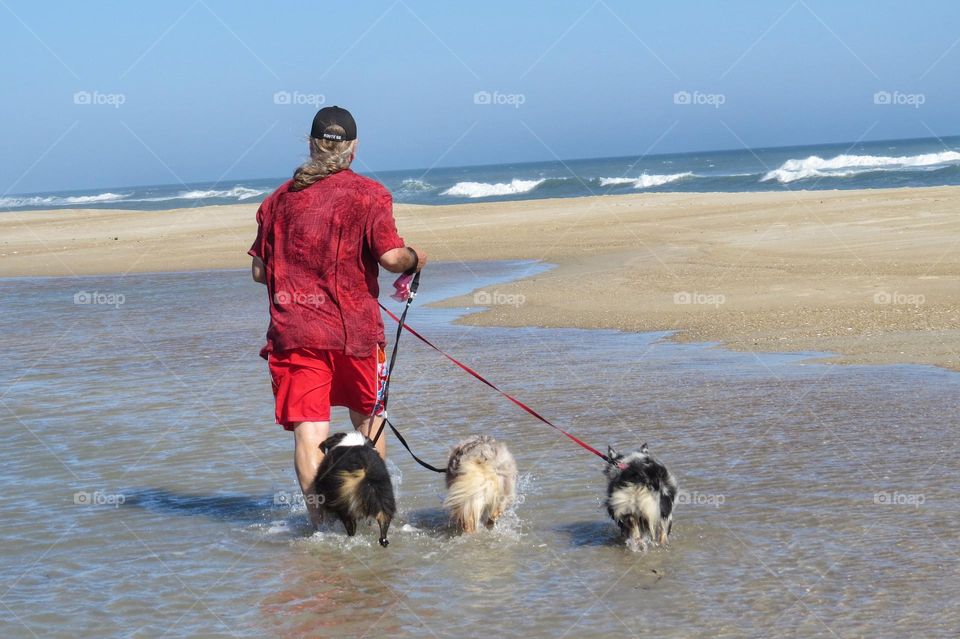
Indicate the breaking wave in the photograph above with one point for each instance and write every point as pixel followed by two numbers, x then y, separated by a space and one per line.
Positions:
pixel 486 189
pixel 645 181
pixel 849 165
pixel 237 192
pixel 413 185
pixel 55 200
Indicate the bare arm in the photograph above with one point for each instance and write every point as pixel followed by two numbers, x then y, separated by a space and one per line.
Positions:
pixel 258 271
pixel 403 259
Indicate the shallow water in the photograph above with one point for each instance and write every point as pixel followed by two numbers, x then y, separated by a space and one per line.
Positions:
pixel 147 492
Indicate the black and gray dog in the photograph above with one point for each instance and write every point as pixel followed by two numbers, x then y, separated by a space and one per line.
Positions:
pixel 354 484
pixel 640 496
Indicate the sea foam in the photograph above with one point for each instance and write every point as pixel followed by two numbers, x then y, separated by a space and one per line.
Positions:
pixel 645 181
pixel 238 192
pixel 486 189
pixel 848 165
pixel 55 200
pixel 415 185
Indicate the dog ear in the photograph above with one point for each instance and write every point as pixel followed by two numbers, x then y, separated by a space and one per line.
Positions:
pixel 644 449
pixel 612 454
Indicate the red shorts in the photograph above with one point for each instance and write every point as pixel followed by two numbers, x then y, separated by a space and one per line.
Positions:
pixel 307 382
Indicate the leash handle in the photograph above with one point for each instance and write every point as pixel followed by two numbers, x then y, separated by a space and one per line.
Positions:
pixel 414 285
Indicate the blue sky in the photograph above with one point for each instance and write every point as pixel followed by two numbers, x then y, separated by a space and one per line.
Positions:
pixel 185 90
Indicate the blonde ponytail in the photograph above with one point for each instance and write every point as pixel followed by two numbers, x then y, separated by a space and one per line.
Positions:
pixel 326 158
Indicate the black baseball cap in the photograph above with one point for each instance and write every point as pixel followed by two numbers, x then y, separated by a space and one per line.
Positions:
pixel 333 116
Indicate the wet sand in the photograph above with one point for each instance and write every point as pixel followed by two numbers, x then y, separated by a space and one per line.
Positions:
pixel 870 275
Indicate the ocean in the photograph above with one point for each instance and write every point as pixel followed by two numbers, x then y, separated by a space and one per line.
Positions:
pixel 148 493
pixel 865 165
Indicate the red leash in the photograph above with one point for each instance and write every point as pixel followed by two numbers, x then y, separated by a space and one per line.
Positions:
pixel 480 377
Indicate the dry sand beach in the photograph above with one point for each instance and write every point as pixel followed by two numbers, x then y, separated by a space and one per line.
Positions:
pixel 871 275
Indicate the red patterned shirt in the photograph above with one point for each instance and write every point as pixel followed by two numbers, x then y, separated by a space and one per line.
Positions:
pixel 321 247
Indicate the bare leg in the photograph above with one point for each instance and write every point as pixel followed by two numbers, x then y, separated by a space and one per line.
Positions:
pixel 307 456
pixel 369 426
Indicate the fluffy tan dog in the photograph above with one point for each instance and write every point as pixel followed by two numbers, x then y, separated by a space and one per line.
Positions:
pixel 481 482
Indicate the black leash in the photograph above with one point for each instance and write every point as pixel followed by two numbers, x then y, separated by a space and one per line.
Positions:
pixel 382 401
pixel 412 454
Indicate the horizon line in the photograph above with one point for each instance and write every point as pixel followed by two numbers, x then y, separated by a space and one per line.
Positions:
pixel 426 170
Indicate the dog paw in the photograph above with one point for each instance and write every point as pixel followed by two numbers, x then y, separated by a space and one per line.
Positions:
pixel 384 542
pixel 637 545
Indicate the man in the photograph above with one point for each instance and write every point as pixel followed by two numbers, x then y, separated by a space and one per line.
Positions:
pixel 320 239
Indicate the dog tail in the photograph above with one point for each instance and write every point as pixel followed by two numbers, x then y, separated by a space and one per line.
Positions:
pixel 351 493
pixel 638 508
pixel 366 492
pixel 474 493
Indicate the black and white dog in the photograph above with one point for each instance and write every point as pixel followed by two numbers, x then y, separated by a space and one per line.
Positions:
pixel 640 496
pixel 354 484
